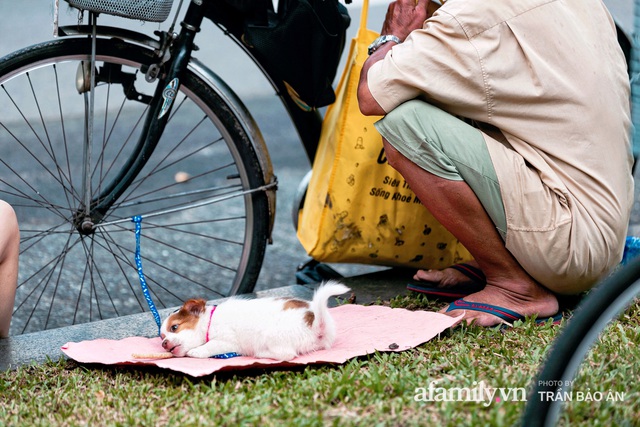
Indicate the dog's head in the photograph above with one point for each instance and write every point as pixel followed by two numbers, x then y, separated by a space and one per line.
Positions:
pixel 180 332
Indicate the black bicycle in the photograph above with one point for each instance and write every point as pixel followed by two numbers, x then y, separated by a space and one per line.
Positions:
pixel 103 124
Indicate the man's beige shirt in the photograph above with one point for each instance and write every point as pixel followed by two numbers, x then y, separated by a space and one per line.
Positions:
pixel 551 77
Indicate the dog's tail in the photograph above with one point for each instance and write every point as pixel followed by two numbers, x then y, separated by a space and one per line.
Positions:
pixel 322 322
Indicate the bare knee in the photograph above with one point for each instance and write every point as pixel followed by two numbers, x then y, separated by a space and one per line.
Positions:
pixel 394 157
pixel 9 231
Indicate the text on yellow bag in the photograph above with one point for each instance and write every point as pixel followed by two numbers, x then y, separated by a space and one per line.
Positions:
pixel 358 209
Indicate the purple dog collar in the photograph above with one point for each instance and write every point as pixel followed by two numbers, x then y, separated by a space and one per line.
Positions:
pixel 209 325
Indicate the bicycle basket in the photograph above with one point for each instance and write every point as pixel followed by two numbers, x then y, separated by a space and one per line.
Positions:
pixel 144 10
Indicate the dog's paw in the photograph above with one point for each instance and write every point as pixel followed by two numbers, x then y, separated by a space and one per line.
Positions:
pixel 199 352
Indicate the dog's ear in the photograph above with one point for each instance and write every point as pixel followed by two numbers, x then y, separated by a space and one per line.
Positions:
pixel 194 306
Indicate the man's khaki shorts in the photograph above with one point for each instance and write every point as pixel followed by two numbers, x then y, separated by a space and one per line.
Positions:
pixel 447 147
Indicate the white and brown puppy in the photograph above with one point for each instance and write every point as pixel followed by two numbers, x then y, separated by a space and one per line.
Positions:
pixel 274 328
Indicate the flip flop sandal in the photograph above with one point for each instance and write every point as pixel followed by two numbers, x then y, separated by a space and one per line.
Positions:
pixel 509 316
pixel 478 282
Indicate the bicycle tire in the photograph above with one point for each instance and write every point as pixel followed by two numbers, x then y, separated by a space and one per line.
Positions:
pixel 68 277
pixel 603 305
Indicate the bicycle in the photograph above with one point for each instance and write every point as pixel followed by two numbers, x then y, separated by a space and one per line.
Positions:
pixel 141 108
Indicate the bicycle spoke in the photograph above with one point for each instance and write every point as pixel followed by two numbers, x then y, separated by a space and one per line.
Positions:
pixel 161 165
pixel 124 259
pixel 172 227
pixel 19 196
pixel 210 192
pixel 92 270
pixel 49 268
pixel 126 256
pixel 115 161
pixel 64 132
pixel 37 159
pixel 49 147
pixel 60 178
pixel 31 238
pixel 58 267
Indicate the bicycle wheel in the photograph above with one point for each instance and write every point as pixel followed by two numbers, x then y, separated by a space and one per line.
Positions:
pixel 600 307
pixel 70 276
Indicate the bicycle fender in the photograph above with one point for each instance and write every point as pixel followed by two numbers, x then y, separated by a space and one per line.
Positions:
pixel 110 32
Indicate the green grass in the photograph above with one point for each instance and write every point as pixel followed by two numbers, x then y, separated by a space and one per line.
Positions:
pixel 374 390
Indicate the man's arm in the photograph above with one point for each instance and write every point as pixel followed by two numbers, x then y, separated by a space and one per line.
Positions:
pixel 368 105
pixel 403 16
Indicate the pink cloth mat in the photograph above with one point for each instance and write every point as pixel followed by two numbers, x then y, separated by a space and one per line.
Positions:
pixel 360 330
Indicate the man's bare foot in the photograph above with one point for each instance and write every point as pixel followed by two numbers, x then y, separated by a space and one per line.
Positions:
pixel 447 277
pixel 526 300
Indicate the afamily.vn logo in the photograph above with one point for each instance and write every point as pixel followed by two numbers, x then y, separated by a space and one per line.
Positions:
pixel 480 392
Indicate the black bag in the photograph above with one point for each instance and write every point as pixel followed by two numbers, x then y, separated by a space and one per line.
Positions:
pixel 235 15
pixel 302 48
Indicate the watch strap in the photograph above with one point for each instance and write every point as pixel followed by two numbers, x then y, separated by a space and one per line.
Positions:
pixel 382 40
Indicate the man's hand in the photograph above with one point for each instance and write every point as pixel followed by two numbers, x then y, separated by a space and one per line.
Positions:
pixel 404 16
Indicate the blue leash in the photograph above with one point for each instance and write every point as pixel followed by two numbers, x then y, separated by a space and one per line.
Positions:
pixel 137 220
pixel 143 282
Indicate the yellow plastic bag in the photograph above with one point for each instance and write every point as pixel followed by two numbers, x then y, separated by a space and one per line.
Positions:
pixel 358 209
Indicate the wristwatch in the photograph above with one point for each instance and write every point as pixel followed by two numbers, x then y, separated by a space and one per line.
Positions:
pixel 382 40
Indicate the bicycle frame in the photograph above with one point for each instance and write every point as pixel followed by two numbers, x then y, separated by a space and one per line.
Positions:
pixel 169 71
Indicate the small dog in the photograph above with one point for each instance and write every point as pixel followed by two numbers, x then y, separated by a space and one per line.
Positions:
pixel 274 328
